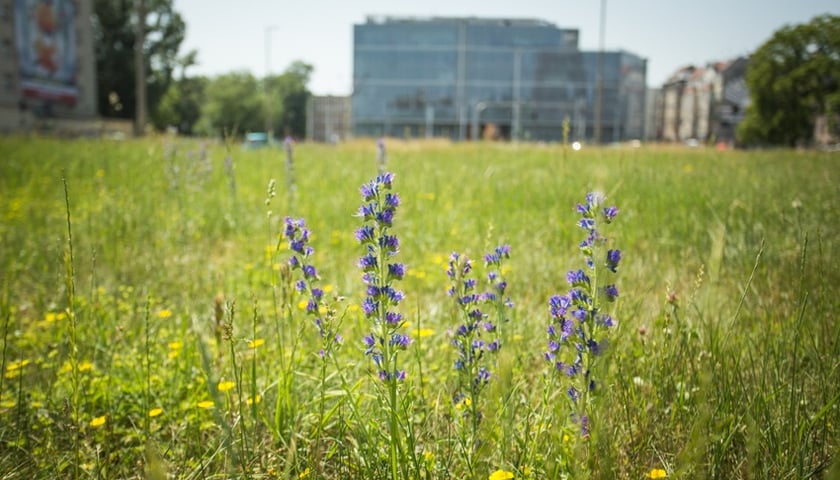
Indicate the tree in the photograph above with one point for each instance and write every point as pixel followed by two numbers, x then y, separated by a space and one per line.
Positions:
pixel 288 94
pixel 181 105
pixel 114 34
pixel 793 79
pixel 233 104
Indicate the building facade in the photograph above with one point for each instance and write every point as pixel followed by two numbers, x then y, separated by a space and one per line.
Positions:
pixel 328 118
pixel 465 78
pixel 705 103
pixel 47 71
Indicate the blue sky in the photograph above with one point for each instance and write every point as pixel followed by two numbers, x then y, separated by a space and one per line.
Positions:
pixel 668 33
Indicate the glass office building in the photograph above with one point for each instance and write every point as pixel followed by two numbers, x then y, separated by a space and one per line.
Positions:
pixel 465 77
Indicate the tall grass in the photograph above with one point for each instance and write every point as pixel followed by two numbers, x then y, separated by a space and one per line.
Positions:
pixel 724 362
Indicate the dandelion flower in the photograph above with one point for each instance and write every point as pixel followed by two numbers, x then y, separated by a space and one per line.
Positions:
pixel 155 412
pixel 97 422
pixel 657 473
pixel 225 386
pixel 501 475
pixel 205 404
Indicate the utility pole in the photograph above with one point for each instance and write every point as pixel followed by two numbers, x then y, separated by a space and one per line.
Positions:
pixel 140 70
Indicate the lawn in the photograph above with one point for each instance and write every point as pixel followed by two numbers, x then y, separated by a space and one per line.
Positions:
pixel 153 324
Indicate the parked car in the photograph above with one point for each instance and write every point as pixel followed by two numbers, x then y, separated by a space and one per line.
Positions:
pixel 256 141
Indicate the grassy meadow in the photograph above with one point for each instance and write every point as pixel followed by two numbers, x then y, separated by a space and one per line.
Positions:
pixel 152 328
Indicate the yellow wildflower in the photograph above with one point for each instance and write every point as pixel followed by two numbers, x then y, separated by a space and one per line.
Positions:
pixel 155 412
pixel 255 343
pixel 302 304
pixel 85 366
pixel 425 332
pixel 7 404
pixel 225 386
pixel 253 400
pixel 353 308
pixel 97 422
pixel 501 475
pixel 428 456
pixel 327 288
pixel 18 364
pixel 205 404
pixel 165 313
pixel 176 345
pixel 304 473
pixel 657 473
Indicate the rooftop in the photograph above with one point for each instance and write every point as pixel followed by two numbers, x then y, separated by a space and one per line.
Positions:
pixel 507 22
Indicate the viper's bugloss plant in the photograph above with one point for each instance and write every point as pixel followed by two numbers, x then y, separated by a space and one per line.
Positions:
pixel 496 295
pixel 386 339
pixel 475 340
pixel 317 307
pixel 580 319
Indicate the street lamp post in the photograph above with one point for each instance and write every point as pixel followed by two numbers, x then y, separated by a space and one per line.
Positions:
pixel 268 123
pixel 477 109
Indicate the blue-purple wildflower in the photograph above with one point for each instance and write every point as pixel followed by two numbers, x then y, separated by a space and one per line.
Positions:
pixel 377 213
pixel 297 236
pixel 576 332
pixel 478 336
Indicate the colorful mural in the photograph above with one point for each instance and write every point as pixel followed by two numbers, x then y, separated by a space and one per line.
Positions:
pixel 46 40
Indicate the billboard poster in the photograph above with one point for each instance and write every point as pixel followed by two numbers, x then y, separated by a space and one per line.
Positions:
pixel 46 41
